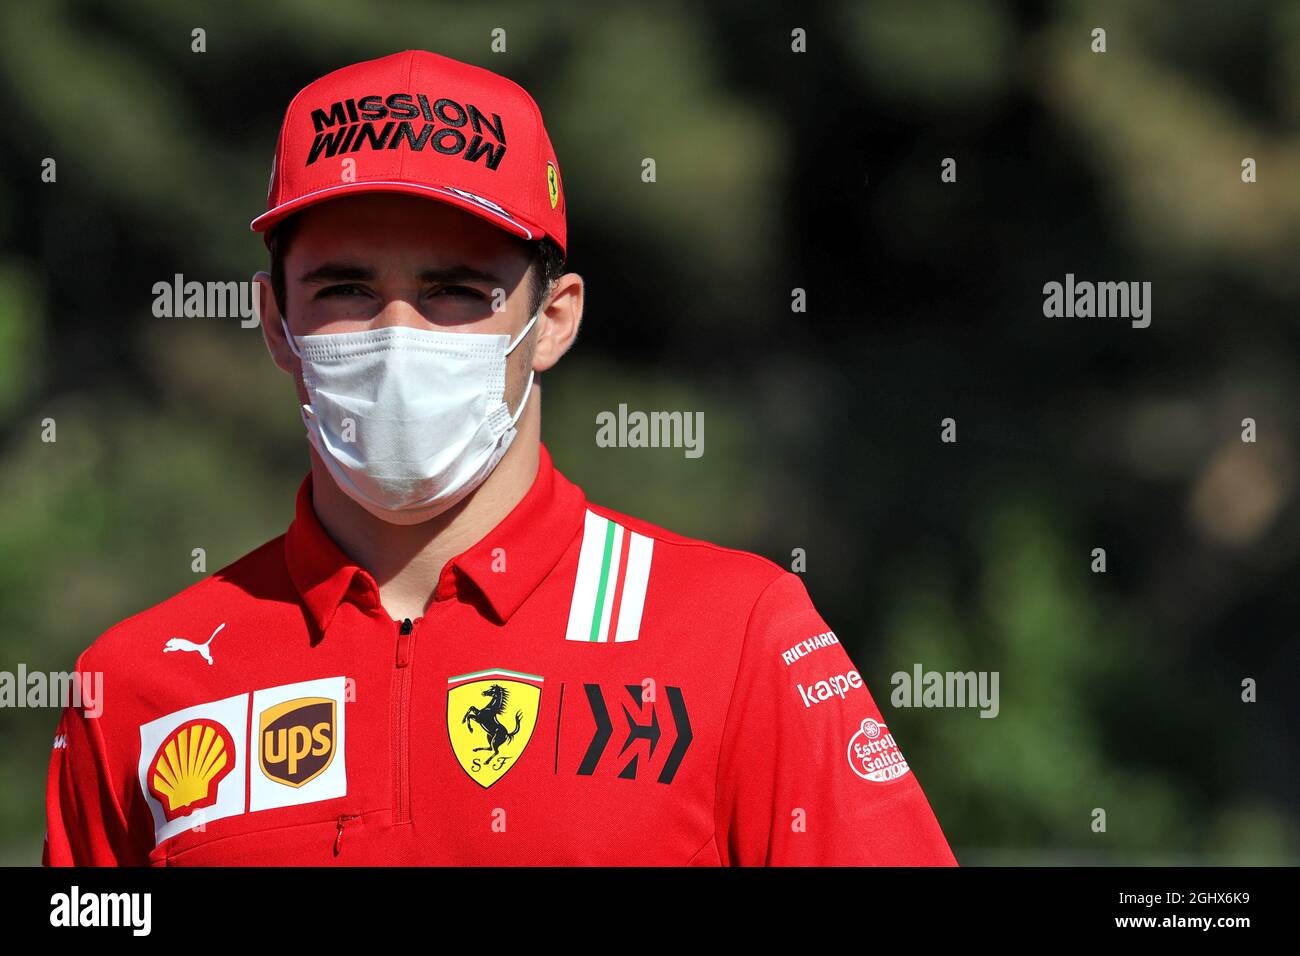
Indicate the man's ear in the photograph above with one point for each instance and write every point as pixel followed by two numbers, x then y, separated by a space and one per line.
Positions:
pixel 272 331
pixel 563 315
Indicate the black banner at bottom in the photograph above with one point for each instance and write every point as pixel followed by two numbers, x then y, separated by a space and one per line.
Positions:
pixel 664 905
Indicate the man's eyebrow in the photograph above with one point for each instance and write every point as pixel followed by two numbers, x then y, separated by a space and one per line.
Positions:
pixel 337 272
pixel 350 272
pixel 460 273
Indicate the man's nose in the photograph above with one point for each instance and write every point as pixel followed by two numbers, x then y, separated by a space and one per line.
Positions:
pixel 400 309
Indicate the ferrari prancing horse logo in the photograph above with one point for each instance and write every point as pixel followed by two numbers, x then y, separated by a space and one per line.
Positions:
pixel 490 719
pixel 552 184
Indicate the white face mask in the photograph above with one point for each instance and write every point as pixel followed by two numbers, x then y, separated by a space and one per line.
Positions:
pixel 408 421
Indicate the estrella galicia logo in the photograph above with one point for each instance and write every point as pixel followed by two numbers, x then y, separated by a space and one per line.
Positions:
pixel 651 730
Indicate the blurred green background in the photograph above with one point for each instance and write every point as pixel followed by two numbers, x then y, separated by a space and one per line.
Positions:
pixel 775 170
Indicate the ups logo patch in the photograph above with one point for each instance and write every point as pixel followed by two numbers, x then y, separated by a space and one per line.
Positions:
pixel 297 740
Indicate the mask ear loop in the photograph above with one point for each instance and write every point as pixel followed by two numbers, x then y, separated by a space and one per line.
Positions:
pixel 288 337
pixel 304 410
pixel 529 387
pixel 520 337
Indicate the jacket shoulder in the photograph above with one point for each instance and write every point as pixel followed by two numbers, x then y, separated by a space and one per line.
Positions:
pixel 699 564
pixel 185 614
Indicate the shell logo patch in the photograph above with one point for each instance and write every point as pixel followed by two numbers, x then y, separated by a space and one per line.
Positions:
pixel 193 763
pixel 491 716
pixel 189 766
pixel 873 754
pixel 552 184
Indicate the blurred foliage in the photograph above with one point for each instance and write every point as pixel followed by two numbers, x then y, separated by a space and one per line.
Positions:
pixel 774 171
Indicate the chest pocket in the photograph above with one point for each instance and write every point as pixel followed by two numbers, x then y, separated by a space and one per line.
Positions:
pixel 343 840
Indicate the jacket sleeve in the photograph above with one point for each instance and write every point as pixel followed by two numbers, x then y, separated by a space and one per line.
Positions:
pixel 809 773
pixel 85 825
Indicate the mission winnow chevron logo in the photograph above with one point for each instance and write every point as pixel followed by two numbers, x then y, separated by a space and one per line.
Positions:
pixel 609 591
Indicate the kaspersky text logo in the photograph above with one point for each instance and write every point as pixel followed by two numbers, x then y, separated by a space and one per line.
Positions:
pixel 837 685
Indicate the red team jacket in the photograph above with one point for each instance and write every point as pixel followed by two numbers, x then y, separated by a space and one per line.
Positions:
pixel 585 688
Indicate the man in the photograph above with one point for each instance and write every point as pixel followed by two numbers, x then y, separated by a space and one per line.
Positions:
pixel 451 657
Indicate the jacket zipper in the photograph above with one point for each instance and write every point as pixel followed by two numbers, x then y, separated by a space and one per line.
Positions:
pixel 338 839
pixel 402 700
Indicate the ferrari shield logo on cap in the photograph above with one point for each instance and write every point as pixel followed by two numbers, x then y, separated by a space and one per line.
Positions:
pixel 490 719
pixel 552 184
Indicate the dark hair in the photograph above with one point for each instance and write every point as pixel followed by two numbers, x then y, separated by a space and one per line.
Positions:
pixel 546 267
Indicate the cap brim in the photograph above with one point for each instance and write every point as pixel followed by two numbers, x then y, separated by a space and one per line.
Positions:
pixel 483 208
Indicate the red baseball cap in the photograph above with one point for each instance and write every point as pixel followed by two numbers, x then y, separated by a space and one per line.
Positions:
pixel 426 125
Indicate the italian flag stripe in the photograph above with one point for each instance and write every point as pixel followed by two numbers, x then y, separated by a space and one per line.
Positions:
pixel 609 588
pixel 634 588
pixel 610 528
pixel 496 672
pixel 616 602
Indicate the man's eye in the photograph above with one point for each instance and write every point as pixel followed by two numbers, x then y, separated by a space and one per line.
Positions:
pixel 459 290
pixel 340 291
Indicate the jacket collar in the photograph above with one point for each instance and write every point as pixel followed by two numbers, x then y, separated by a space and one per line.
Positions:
pixel 502 569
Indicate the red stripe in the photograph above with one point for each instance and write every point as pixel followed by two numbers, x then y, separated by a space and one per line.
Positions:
pixel 618 588
pixel 253 752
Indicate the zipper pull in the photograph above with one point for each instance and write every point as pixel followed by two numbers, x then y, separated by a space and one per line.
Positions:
pixel 338 839
pixel 404 643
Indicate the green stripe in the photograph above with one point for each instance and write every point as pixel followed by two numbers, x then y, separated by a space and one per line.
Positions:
pixel 604 580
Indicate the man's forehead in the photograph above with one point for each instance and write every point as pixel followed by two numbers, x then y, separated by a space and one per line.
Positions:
pixel 402 231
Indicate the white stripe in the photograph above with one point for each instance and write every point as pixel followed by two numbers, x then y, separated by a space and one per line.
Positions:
pixel 585 583
pixel 611 583
pixel 639 553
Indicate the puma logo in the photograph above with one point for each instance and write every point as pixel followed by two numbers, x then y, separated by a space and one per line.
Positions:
pixel 181 644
